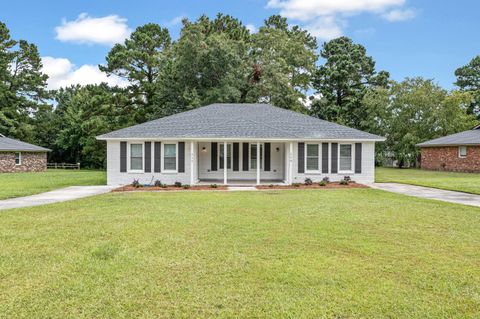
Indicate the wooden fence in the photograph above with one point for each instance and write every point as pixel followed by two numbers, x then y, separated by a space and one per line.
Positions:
pixel 63 165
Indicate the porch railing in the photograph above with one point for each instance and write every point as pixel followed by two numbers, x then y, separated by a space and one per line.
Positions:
pixel 63 165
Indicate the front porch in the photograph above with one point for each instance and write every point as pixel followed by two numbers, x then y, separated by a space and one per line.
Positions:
pixel 241 182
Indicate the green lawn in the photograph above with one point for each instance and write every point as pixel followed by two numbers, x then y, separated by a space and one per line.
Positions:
pixel 23 184
pixel 462 182
pixel 276 254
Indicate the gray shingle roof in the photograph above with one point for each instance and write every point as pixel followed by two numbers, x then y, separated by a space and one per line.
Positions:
pixel 9 144
pixel 261 121
pixel 471 137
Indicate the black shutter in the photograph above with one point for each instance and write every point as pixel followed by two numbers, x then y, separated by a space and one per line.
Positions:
pixel 181 157
pixel 148 157
pixel 334 158
pixel 267 152
pixel 123 157
pixel 213 161
pixel 358 158
pixel 157 157
pixel 301 157
pixel 325 158
pixel 236 157
pixel 245 157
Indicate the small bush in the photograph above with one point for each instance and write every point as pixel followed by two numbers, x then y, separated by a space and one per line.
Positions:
pixel 186 186
pixel 136 183
pixel 326 180
pixel 347 178
pixel 178 184
pixel 214 186
pixel 296 184
pixel 308 181
pixel 163 185
pixel 157 183
pixel 271 185
pixel 343 182
pixel 322 183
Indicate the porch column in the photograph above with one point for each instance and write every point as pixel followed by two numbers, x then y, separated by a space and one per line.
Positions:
pixel 290 163
pixel 225 163
pixel 192 162
pixel 258 163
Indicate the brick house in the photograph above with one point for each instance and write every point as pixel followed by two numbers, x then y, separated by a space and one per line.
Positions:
pixel 17 156
pixel 457 152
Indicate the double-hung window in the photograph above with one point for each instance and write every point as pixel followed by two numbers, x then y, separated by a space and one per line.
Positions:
pixel 170 157
pixel 229 156
pixel 136 157
pixel 254 156
pixel 345 158
pixel 18 158
pixel 462 151
pixel 312 156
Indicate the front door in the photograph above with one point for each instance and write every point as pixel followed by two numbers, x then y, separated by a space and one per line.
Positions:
pixel 221 155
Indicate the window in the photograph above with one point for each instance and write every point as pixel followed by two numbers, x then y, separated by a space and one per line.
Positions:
pixel 312 157
pixel 462 151
pixel 345 157
pixel 18 158
pixel 229 156
pixel 253 156
pixel 170 157
pixel 136 157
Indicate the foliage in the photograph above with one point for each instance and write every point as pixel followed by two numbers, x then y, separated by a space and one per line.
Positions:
pixel 468 79
pixel 213 186
pixel 136 183
pixel 178 184
pixel 157 183
pixel 326 179
pixel 308 181
pixel 322 183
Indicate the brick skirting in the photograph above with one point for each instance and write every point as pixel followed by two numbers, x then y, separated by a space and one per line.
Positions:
pixel 31 162
pixel 447 159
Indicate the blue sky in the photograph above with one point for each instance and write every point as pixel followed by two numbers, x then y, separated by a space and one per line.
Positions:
pixel 405 37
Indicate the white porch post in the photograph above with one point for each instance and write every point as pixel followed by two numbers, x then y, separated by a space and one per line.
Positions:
pixel 258 163
pixel 290 163
pixel 192 163
pixel 225 163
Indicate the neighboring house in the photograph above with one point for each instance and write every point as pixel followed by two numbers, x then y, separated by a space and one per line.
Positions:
pixel 229 143
pixel 17 156
pixel 457 152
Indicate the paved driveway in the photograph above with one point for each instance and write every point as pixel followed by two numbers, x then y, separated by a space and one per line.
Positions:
pixel 431 193
pixel 59 195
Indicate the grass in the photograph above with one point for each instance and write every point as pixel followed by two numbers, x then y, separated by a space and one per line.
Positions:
pixel 461 182
pixel 273 254
pixel 23 184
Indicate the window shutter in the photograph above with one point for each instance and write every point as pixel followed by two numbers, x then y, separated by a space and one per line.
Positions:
pixel 301 158
pixel 267 151
pixel 157 160
pixel 245 157
pixel 213 161
pixel 334 158
pixel 181 157
pixel 123 157
pixel 236 157
pixel 325 158
pixel 358 158
pixel 148 157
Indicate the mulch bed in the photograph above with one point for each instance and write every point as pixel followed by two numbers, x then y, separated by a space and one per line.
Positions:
pixel 313 186
pixel 130 188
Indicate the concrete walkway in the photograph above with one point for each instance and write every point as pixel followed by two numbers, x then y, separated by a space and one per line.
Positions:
pixel 55 196
pixel 431 193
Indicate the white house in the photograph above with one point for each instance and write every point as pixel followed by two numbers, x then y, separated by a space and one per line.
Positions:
pixel 233 143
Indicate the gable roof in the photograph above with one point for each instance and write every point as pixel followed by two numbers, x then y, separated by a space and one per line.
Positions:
pixel 9 144
pixel 252 121
pixel 470 137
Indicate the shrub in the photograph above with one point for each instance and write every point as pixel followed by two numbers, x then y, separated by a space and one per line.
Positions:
pixel 296 184
pixel 326 180
pixel 136 183
pixel 186 186
pixel 322 183
pixel 308 181
pixel 178 184
pixel 343 182
pixel 157 183
pixel 347 178
pixel 163 185
pixel 271 185
pixel 214 186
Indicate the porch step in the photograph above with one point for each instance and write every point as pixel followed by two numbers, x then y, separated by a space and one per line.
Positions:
pixel 242 188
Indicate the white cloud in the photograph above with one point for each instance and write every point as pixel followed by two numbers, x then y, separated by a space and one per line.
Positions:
pixel 62 73
pixel 86 29
pixel 327 18
pixel 176 21
pixel 399 15
pixel 251 27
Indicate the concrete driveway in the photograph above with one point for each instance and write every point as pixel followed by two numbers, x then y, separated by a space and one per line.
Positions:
pixel 55 196
pixel 430 193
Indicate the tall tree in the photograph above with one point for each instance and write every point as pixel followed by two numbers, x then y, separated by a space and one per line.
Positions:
pixel 22 86
pixel 140 60
pixel 341 83
pixel 468 79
